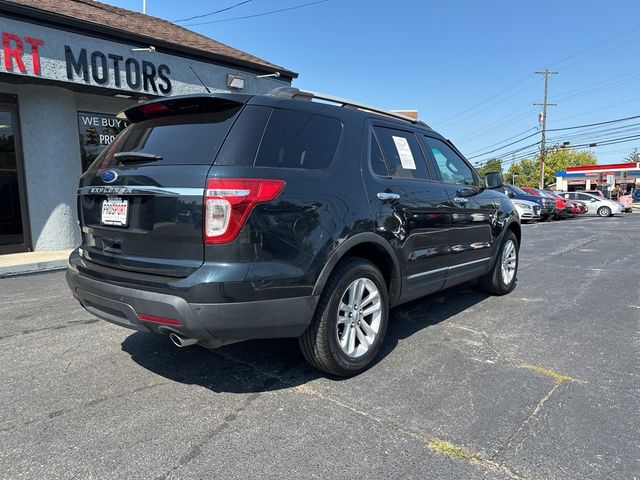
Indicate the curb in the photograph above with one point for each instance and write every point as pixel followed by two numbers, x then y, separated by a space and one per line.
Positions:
pixel 38 267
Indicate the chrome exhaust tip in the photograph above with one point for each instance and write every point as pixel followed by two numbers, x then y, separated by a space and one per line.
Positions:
pixel 180 341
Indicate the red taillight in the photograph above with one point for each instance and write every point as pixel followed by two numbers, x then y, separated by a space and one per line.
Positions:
pixel 228 202
pixel 155 319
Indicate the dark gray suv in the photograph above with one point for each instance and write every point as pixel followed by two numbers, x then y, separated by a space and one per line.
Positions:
pixel 226 217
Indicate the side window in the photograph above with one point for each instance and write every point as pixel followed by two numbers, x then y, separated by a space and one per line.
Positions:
pixel 242 143
pixel 402 154
pixel 452 168
pixel 298 140
pixel 582 196
pixel 378 165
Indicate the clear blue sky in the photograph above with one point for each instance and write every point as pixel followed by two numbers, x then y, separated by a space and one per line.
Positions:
pixel 444 58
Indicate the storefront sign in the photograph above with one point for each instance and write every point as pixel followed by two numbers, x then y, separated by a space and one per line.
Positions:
pixel 108 69
pixel 97 130
pixel 47 53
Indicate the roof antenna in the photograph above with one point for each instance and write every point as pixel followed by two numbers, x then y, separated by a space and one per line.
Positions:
pixel 198 77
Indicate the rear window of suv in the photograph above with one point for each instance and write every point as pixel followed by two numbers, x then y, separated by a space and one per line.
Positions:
pixel 265 137
pixel 181 139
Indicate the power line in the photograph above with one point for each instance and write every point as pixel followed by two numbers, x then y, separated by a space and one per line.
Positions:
pixel 447 120
pixel 271 12
pixel 500 142
pixel 475 114
pixel 213 13
pixel 616 120
pixel 599 86
pixel 599 109
pixel 505 120
pixel 601 53
pixel 504 146
pixel 561 129
pixel 527 152
pixel 592 47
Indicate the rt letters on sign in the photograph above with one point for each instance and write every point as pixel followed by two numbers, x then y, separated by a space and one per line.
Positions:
pixel 13 47
pixel 106 69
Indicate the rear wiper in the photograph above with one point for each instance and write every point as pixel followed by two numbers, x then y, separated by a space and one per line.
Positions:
pixel 125 157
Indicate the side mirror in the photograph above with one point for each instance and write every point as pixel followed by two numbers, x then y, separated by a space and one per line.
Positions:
pixel 494 180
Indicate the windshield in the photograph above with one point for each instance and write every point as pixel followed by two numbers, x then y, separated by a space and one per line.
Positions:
pixel 518 190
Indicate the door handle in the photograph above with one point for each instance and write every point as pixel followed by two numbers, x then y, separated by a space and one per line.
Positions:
pixel 388 196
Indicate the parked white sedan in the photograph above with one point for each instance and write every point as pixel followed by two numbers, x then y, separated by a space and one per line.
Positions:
pixel 595 205
pixel 527 211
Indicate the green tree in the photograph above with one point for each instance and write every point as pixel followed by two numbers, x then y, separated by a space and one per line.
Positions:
pixel 492 165
pixel 633 157
pixel 557 159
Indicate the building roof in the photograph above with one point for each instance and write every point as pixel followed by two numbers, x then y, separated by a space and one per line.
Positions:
pixel 157 32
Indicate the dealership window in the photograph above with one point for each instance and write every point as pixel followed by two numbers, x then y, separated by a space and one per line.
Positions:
pixel 97 130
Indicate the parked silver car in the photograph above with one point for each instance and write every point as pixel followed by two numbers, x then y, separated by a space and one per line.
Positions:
pixel 527 211
pixel 595 205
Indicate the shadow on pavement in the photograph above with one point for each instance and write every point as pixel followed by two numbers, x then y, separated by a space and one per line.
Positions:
pixel 267 365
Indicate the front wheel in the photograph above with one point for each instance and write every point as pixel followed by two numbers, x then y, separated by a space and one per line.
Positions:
pixel 502 277
pixel 350 321
pixel 604 212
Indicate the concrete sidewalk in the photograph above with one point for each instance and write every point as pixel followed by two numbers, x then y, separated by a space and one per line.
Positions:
pixel 32 262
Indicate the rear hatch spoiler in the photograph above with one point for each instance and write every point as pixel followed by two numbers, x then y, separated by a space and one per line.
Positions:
pixel 185 104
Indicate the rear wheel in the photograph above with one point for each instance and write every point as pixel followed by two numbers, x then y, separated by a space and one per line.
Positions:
pixel 604 212
pixel 350 321
pixel 502 277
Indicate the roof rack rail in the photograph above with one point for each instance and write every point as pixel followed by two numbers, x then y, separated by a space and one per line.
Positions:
pixel 292 93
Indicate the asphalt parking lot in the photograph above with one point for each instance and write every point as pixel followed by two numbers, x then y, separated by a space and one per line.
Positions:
pixel 542 383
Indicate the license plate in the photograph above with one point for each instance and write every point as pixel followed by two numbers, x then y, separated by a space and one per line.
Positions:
pixel 114 212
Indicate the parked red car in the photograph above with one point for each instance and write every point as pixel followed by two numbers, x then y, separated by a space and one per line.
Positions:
pixel 581 206
pixel 564 209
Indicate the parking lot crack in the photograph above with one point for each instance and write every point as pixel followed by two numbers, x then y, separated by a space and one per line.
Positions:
pixel 71 323
pixel 434 444
pixel 90 403
pixel 196 449
pixel 520 434
pixel 559 253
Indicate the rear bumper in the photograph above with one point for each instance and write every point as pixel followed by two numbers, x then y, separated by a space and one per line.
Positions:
pixel 213 324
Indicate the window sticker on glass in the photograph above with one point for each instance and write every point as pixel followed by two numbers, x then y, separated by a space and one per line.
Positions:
pixel 404 151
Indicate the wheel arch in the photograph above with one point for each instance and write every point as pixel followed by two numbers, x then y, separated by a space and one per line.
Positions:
pixel 517 231
pixel 368 246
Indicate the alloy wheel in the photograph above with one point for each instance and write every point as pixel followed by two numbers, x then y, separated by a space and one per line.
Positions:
pixel 509 262
pixel 359 317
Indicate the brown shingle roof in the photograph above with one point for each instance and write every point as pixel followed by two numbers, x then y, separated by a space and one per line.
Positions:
pixel 155 29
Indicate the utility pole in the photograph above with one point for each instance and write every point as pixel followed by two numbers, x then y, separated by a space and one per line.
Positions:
pixel 144 6
pixel 546 74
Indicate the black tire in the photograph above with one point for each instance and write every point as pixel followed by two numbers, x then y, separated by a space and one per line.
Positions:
pixel 604 212
pixel 319 343
pixel 493 282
